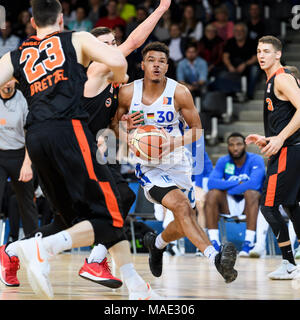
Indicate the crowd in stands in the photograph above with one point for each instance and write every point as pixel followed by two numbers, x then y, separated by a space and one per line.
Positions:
pixel 212 46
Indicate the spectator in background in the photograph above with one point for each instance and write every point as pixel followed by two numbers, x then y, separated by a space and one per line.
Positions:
pixel 240 57
pixel 161 31
pixel 210 48
pixel 112 19
pixel 120 34
pixel 68 14
pixel 8 41
pixel 235 186
pixel 97 10
pixel 29 30
pixel 19 28
pixel 141 16
pixel 126 10
pixel 222 23
pixel 81 23
pixel 177 43
pixel 14 160
pixel 203 10
pixel 192 71
pixel 191 28
pixel 255 24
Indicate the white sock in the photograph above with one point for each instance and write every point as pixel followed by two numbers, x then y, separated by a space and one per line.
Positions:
pixel 98 254
pixel 292 234
pixel 160 243
pixel 250 235
pixel 132 279
pixel 58 242
pixel 213 234
pixel 11 249
pixel 210 252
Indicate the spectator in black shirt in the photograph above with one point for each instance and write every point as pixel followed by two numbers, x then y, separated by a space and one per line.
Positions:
pixel 210 48
pixel 255 24
pixel 239 58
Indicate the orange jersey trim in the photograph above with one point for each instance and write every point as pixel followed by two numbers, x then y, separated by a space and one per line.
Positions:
pixel 272 183
pixel 110 199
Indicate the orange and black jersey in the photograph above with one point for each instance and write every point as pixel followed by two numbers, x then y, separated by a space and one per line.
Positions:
pixel 278 113
pixel 101 108
pixel 50 77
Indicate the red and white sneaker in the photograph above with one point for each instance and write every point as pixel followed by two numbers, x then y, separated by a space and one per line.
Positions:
pixel 99 273
pixel 9 267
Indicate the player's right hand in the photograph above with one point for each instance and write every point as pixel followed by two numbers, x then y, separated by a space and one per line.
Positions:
pixel 133 120
pixel 259 140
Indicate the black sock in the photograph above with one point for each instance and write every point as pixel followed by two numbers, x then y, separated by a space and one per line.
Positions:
pixel 287 254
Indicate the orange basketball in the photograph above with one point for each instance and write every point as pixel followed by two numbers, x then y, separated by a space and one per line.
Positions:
pixel 147 141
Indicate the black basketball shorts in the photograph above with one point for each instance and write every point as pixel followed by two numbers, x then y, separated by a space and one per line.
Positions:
pixel 282 183
pixel 64 155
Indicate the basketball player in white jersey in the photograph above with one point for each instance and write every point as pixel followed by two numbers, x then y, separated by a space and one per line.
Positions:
pixel 165 104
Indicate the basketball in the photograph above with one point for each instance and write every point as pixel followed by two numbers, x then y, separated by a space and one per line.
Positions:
pixel 147 141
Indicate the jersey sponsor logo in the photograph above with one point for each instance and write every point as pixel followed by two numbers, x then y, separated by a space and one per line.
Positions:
pixel 269 88
pixel 270 104
pixel 108 102
pixel 167 101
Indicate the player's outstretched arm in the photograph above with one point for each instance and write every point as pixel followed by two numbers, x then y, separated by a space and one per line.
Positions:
pixel 288 88
pixel 139 35
pixel 7 69
pixel 88 49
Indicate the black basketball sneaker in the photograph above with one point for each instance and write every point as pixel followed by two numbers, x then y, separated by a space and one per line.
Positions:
pixel 155 255
pixel 225 260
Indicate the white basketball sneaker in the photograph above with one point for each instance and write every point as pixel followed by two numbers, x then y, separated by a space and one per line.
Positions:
pixel 286 271
pixel 259 251
pixel 34 258
pixel 149 294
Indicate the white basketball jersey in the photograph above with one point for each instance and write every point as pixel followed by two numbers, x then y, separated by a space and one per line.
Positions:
pixel 161 114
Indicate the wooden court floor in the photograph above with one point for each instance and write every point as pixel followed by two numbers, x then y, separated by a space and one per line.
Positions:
pixel 184 278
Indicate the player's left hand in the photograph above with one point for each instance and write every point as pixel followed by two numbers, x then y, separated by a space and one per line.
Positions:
pixel 26 172
pixel 275 143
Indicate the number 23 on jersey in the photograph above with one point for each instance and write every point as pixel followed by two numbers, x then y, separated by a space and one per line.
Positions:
pixel 55 58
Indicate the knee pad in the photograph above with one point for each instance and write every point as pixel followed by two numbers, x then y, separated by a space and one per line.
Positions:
pixel 276 222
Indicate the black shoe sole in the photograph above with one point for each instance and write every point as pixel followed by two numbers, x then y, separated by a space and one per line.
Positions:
pixel 148 244
pixel 113 284
pixel 227 261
